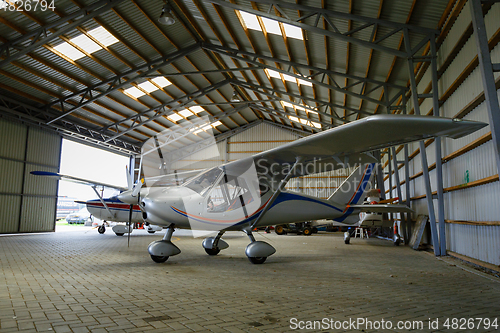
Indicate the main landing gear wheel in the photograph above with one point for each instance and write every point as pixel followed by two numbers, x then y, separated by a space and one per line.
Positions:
pixel 212 252
pixel 119 234
pixel 151 231
pixel 159 259
pixel 307 232
pixel 257 260
pixel 101 229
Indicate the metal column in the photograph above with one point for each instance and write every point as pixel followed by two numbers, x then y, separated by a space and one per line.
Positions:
pixel 380 174
pixel 407 180
pixel 389 157
pixel 398 187
pixel 437 143
pixel 407 190
pixel 487 68
pixel 423 154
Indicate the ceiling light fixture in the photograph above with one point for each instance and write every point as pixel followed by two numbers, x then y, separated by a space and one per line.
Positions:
pixel 235 97
pixel 166 17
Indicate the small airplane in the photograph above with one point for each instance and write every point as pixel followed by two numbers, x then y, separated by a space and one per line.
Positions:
pixel 249 193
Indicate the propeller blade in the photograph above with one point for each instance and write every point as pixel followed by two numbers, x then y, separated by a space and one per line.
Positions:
pixel 137 188
pixel 129 179
pixel 131 210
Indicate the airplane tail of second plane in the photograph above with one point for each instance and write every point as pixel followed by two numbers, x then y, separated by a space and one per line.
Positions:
pixel 353 190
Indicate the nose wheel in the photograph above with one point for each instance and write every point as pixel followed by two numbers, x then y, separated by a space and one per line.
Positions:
pixel 160 251
pixel 212 252
pixel 257 260
pixel 159 259
pixel 213 245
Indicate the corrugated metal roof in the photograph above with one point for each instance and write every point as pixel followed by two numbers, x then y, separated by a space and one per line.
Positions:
pixel 142 39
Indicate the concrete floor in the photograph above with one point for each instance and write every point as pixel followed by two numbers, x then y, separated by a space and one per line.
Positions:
pixel 80 281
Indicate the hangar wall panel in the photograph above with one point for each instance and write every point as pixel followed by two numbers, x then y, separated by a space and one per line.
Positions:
pixel 28 202
pixel 477 207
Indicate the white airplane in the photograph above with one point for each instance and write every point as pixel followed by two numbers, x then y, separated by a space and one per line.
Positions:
pixel 249 193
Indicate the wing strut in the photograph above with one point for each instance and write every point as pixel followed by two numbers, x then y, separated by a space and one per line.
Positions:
pixel 102 201
pixel 281 186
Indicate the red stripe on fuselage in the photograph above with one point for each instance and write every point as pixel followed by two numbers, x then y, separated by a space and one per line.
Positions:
pixel 111 205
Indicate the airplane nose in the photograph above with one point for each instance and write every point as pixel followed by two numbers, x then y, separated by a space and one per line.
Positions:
pixel 159 210
pixel 127 197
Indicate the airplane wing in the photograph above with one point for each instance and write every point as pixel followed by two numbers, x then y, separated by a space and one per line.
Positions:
pixel 377 208
pixel 352 143
pixel 164 180
pixel 75 179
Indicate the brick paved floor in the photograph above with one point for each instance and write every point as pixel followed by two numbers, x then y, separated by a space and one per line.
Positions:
pixel 80 281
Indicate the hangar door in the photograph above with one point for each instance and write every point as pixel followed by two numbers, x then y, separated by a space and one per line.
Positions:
pixel 28 202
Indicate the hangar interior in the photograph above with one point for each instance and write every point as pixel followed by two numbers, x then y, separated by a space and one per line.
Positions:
pixel 108 73
pixel 258 75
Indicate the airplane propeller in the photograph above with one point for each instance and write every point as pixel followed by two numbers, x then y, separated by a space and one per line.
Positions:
pixel 134 194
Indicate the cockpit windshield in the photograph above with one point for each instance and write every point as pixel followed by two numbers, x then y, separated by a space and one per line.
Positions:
pixel 204 181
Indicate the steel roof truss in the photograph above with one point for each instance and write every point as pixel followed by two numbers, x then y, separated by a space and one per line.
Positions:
pixel 42 36
pixel 36 116
pixel 91 94
pixel 163 109
pixel 327 16
pixel 320 103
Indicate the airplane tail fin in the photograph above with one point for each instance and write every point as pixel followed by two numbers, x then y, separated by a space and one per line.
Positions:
pixel 353 190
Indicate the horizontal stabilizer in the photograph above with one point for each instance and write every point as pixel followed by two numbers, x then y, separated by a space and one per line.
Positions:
pixel 383 208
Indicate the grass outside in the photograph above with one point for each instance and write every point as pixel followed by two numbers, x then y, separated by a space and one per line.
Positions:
pixel 64 222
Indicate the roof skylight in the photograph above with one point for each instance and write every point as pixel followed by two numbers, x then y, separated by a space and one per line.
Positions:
pixel 272 26
pixel 286 77
pixel 292 31
pixel 196 109
pixel 305 122
pixel 251 21
pixel 103 36
pixel 174 117
pixel 297 107
pixel 86 43
pixel 69 51
pixel 147 87
pixel 185 113
pixel 134 92
pixel 161 81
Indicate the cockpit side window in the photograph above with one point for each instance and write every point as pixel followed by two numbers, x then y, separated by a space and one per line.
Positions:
pixel 229 194
pixel 203 182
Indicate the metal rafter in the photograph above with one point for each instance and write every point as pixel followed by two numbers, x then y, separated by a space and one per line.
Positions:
pixel 254 47
pixel 90 94
pixel 273 54
pixel 295 67
pixel 285 116
pixel 321 104
pixel 67 88
pixel 198 36
pixel 50 65
pixel 370 57
pixel 42 35
pixel 239 46
pixel 36 116
pixel 163 109
pixel 363 23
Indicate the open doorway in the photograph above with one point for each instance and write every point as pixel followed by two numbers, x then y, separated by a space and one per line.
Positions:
pixel 90 163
